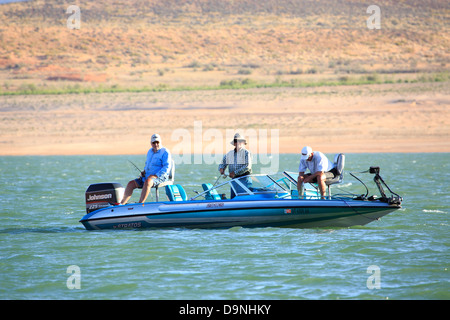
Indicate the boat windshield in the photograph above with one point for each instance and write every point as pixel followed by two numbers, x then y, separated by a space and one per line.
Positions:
pixel 260 183
pixel 243 186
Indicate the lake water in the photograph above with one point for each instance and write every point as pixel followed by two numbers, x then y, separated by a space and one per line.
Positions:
pixel 405 255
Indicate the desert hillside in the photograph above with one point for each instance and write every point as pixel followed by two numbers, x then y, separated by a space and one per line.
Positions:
pixel 311 69
pixel 193 43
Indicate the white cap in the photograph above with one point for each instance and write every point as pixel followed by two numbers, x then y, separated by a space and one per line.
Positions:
pixel 306 152
pixel 156 137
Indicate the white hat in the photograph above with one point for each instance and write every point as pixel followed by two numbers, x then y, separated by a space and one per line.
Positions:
pixel 306 152
pixel 238 137
pixel 156 137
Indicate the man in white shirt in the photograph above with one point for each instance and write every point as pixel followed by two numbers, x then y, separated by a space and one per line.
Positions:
pixel 319 166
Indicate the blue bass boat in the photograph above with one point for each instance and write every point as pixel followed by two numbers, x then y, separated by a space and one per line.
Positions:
pixel 260 201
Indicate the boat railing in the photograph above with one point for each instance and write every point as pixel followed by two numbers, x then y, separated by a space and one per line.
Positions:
pixel 311 189
pixel 243 186
pixel 282 188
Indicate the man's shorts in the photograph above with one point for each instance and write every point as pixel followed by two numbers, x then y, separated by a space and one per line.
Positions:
pixel 328 174
pixel 140 181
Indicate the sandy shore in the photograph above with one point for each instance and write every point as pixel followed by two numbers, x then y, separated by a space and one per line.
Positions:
pixel 350 119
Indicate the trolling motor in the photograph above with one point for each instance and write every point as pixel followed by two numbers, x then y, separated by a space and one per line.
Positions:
pixel 394 199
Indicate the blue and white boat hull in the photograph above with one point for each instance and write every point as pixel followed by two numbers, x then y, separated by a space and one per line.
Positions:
pixel 260 201
pixel 226 214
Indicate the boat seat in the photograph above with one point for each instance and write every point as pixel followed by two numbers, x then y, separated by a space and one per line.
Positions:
pixel 338 170
pixel 212 194
pixel 176 193
pixel 167 182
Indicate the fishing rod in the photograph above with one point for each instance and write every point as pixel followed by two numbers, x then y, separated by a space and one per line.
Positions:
pixel 140 171
pixel 222 175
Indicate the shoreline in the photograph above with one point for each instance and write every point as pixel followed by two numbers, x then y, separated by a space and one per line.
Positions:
pixel 376 118
pixel 116 155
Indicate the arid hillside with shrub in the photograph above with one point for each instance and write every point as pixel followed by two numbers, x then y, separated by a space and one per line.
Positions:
pixel 315 70
pixel 183 43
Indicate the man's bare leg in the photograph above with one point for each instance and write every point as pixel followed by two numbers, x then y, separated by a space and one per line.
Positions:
pixel 300 187
pixel 321 182
pixel 128 191
pixel 146 190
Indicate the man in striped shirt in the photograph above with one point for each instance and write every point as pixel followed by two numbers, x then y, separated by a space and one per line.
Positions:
pixel 238 161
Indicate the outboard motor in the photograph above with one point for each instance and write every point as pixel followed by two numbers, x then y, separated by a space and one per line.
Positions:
pixel 101 195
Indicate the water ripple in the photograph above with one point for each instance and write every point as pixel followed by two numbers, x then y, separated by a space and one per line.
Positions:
pixel 41 237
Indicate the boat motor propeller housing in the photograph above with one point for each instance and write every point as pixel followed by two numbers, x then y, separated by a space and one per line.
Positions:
pixel 100 195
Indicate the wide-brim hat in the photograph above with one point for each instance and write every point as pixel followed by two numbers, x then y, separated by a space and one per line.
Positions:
pixel 238 137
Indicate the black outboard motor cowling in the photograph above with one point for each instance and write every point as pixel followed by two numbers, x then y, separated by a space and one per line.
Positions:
pixel 101 195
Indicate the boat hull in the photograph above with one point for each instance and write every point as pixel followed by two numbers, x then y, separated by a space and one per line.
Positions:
pixel 287 213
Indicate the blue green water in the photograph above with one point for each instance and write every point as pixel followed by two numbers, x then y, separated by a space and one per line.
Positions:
pixel 42 200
